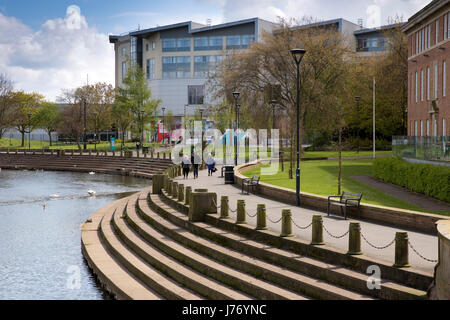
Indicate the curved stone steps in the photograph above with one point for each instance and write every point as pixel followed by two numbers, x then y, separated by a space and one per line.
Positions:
pixel 177 271
pixel 157 281
pixel 113 276
pixel 221 272
pixel 341 276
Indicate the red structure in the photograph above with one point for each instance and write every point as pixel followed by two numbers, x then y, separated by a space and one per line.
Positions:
pixel 162 134
pixel 428 33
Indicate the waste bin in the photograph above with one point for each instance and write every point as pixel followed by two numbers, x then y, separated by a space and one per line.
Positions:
pixel 145 150
pixel 229 174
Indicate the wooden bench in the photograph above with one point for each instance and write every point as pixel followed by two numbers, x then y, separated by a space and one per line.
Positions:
pixel 346 199
pixel 250 183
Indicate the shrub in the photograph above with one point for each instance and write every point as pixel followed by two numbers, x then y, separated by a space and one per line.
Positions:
pixel 433 181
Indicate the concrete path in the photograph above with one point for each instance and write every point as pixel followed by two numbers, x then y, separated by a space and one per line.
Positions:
pixel 378 235
pixel 404 194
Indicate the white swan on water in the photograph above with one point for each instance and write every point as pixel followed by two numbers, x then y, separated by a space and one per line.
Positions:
pixel 55 195
pixel 91 192
pixel 92 173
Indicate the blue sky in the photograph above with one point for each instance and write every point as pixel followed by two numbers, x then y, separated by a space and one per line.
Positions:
pixel 50 45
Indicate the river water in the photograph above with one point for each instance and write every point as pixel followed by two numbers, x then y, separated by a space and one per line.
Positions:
pixel 40 235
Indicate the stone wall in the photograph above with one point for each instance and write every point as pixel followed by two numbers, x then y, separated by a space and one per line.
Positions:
pixel 418 221
pixel 441 284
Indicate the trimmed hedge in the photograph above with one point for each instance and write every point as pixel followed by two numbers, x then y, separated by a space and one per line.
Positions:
pixel 433 181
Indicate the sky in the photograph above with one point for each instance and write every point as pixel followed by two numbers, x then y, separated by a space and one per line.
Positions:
pixel 50 45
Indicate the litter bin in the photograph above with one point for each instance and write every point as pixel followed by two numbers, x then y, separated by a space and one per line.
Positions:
pixel 229 174
pixel 145 150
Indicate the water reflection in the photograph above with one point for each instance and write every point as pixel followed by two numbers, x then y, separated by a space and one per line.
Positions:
pixel 40 250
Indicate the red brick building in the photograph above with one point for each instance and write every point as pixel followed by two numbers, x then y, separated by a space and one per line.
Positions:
pixel 428 33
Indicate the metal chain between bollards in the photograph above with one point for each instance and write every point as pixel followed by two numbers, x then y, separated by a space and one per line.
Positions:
pixel 249 215
pixel 302 228
pixel 332 235
pixel 426 259
pixel 274 221
pixel 215 204
pixel 376 247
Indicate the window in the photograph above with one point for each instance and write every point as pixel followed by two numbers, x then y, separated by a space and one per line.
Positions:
pixel 428 83
pixel 196 94
pixel 169 45
pixel 150 69
pixel 421 128
pixel 436 70
pixel 437 31
pixel 428 128
pixel 215 43
pixel 421 85
pixel 208 43
pixel 146 47
pixel 417 92
pixel 124 51
pixel 184 44
pixel 415 128
pixel 204 65
pixel 435 128
pixel 444 79
pixel 233 42
pixel 429 36
pixel 246 40
pixel 417 42
pixel 201 43
pixel 444 128
pixel 124 70
pixel 445 27
pixel 176 67
pixel 153 45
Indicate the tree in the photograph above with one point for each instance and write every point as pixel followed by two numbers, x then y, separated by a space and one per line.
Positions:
pixel 48 118
pixel 134 99
pixel 72 115
pixel 100 104
pixel 25 106
pixel 6 90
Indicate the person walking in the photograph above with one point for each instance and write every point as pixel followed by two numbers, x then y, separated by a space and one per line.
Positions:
pixel 196 161
pixel 186 164
pixel 211 165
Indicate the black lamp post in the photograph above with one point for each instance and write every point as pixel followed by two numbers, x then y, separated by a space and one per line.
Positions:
pixel 95 142
pixel 273 103
pixel 357 98
pixel 185 116
pixel 29 131
pixel 298 54
pixel 85 125
pixel 163 130
pixel 201 120
pixel 236 97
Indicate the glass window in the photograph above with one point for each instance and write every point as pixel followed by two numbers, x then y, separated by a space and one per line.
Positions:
pixel 169 45
pixel 153 45
pixel 215 43
pixel 246 40
pixel 428 83
pixel 201 43
pixel 196 94
pixel 444 79
pixel 437 31
pixel 146 47
pixel 124 51
pixel 176 67
pixel 436 70
pixel 124 70
pixel 233 42
pixel 150 69
pixel 184 44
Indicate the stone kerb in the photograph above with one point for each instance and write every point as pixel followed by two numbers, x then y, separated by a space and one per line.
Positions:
pixel 441 285
pixel 418 221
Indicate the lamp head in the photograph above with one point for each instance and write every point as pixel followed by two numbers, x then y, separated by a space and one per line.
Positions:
pixel 298 54
pixel 357 98
pixel 236 95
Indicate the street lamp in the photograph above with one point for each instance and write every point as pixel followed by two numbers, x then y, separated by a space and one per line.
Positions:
pixel 163 110
pixel 95 142
pixel 236 97
pixel 29 131
pixel 298 54
pixel 85 125
pixel 142 126
pixel 273 103
pixel 357 98
pixel 201 120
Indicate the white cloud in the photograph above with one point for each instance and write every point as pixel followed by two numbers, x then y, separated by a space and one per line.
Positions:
pixel 57 56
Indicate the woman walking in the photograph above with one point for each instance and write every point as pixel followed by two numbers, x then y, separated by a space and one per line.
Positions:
pixel 211 164
pixel 186 165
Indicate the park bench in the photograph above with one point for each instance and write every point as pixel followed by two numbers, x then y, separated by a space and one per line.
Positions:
pixel 250 183
pixel 345 200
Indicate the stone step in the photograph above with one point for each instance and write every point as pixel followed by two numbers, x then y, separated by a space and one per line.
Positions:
pixel 338 275
pixel 252 285
pixel 172 268
pixel 114 277
pixel 153 278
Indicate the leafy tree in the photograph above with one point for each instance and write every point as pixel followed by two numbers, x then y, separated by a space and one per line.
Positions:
pixel 6 93
pixel 48 118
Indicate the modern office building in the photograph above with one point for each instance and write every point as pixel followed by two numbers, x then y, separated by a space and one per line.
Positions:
pixel 178 58
pixel 428 33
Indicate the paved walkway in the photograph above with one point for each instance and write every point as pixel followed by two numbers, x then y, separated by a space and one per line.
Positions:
pixel 404 194
pixel 378 235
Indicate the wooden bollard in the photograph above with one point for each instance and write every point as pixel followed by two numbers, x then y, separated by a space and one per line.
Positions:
pixel 261 218
pixel 97 153
pixel 401 250
pixel 151 154
pixel 164 155
pixel 240 218
pixel 286 223
pixel 145 155
pixel 317 231
pixel 169 187
pixel 224 208
pixel 157 155
pixel 71 152
pixel 121 153
pixel 354 239
pixel 90 152
pixel 175 190
pixel 181 192
pixel 114 153
pixel 188 195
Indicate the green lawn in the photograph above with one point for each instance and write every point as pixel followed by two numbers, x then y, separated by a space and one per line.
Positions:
pixel 320 177
pixel 334 154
